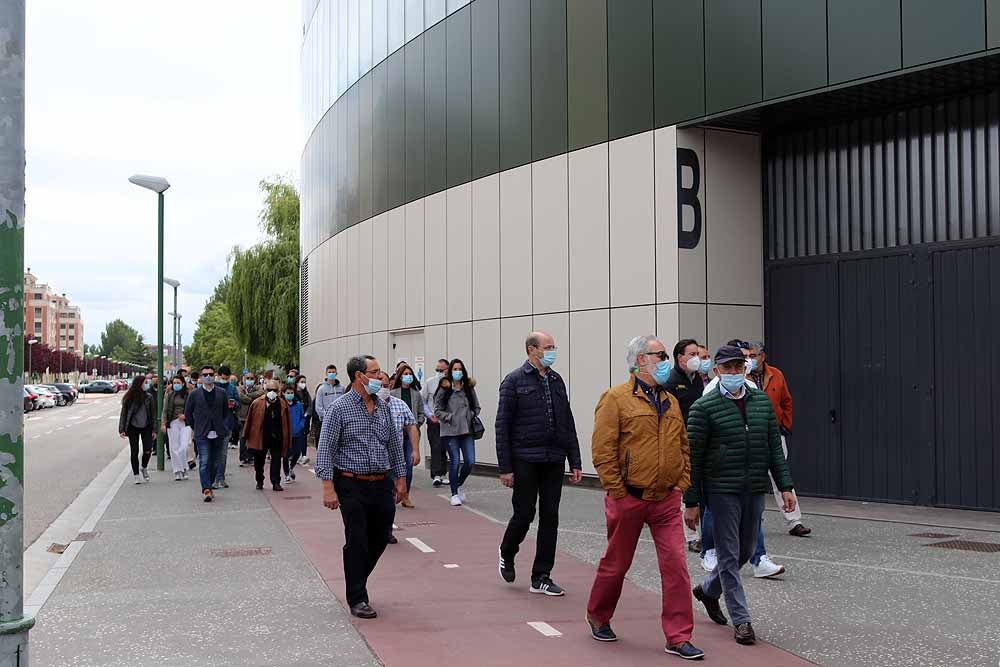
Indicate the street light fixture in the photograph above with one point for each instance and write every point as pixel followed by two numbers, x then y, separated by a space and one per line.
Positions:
pixel 158 185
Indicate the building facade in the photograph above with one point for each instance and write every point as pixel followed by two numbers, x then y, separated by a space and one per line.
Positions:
pixel 50 318
pixel 824 174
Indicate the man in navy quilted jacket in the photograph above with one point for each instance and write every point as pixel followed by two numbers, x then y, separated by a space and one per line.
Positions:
pixel 535 434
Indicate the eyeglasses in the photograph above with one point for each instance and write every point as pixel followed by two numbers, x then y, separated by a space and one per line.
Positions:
pixel 661 354
pixel 207 375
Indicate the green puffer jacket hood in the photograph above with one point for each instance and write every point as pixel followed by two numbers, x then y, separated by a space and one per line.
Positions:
pixel 728 456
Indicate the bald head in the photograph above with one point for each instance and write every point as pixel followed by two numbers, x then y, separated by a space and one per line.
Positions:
pixel 538 339
pixel 541 349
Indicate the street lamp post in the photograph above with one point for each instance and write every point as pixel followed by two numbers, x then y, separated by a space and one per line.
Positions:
pixel 14 623
pixel 158 185
pixel 175 284
pixel 61 350
pixel 33 341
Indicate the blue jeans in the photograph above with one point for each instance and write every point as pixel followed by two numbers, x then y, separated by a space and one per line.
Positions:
pixel 735 522
pixel 296 451
pixel 761 549
pixel 408 457
pixel 210 454
pixel 465 445
pixel 707 538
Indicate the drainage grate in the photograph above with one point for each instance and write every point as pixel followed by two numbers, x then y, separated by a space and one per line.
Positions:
pixel 241 552
pixel 296 497
pixel 84 537
pixel 57 548
pixel 933 536
pixel 968 545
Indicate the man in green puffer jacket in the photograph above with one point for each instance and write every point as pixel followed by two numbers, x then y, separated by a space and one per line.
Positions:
pixel 735 442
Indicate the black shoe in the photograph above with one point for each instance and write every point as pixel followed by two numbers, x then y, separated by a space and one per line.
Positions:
pixel 392 540
pixel 208 495
pixel 437 482
pixel 799 531
pixel 686 650
pixel 277 487
pixel 506 569
pixel 190 465
pixel 744 634
pixel 547 586
pixel 260 486
pixel 694 546
pixel 711 605
pixel 602 633
pixel 363 610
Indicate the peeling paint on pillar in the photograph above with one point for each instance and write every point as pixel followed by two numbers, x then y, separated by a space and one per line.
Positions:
pixel 13 626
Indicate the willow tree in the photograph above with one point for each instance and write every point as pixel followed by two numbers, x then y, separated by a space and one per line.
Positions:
pixel 263 291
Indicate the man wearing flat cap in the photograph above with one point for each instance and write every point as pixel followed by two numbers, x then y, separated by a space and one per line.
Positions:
pixel 735 442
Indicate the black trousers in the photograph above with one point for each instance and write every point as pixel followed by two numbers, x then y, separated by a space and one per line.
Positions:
pixel 134 435
pixel 541 483
pixel 439 453
pixel 367 509
pixel 258 461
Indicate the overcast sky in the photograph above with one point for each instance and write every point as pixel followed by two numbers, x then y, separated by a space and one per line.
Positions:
pixel 204 93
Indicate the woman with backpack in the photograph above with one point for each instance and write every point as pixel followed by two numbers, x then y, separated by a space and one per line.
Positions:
pixel 456 406
pixel 136 422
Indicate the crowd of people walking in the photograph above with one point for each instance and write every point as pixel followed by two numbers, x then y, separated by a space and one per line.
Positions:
pixel 688 445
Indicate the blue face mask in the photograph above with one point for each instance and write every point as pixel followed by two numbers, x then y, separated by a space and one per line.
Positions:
pixel 146 385
pixel 249 383
pixel 706 366
pixel 178 387
pixel 407 379
pixel 331 376
pixel 456 376
pixel 549 357
pixel 662 372
pixel 289 397
pixel 374 386
pixel 753 365
pixel 732 382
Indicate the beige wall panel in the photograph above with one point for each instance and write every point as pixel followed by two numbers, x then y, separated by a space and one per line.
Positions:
pixel 435 258
pixel 691 262
pixel 633 242
pixel 486 247
pixel 626 324
pixel 515 242
pixel 397 250
pixel 591 369
pixel 665 146
pixel 550 235
pixel 589 229
pixel 380 293
pixel 486 362
pixel 414 279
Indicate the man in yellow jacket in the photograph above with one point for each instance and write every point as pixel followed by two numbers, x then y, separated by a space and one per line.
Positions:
pixel 640 451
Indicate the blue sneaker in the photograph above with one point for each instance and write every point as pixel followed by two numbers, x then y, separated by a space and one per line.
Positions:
pixel 687 650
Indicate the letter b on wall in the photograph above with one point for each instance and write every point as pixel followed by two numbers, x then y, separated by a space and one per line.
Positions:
pixel 688 238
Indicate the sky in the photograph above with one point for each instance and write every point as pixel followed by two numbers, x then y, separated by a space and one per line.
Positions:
pixel 203 93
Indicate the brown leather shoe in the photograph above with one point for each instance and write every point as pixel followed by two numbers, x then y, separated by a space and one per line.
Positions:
pixel 799 530
pixel 406 502
pixel 711 605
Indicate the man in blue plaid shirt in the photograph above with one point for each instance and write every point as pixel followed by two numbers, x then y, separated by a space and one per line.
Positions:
pixel 359 457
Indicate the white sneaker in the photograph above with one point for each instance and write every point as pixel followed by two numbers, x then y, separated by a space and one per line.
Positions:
pixel 455 500
pixel 461 494
pixel 184 475
pixel 145 474
pixel 304 460
pixel 288 479
pixel 766 568
pixel 710 561
pixel 437 481
pixel 138 479
pixel 178 477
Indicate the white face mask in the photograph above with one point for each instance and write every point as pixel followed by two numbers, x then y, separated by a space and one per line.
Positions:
pixel 272 395
pixel 693 364
pixel 383 393
pixel 302 385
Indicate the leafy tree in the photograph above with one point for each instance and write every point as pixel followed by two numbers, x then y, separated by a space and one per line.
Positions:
pixel 215 341
pixel 122 342
pixel 262 294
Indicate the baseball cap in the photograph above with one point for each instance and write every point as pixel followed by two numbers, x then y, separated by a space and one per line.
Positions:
pixel 728 353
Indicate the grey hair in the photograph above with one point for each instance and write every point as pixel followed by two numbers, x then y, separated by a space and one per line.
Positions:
pixel 637 346
pixel 758 345
pixel 358 363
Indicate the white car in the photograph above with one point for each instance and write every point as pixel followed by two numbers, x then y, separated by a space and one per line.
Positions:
pixel 46 399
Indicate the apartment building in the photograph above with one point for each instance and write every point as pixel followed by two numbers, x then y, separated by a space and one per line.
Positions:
pixel 50 318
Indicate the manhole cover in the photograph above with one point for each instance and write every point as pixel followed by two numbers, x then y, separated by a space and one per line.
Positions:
pixel 296 497
pixel 933 536
pixel 57 548
pixel 83 537
pixel 968 545
pixel 241 552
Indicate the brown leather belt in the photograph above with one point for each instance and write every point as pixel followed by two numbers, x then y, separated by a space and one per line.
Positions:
pixel 364 478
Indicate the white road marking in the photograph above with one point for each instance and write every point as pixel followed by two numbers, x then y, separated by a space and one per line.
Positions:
pixel 76 417
pixel 89 418
pixel 48 433
pixel 544 628
pixel 419 545
pixel 451 566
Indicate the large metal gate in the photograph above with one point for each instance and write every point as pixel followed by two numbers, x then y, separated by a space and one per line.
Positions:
pixel 883 302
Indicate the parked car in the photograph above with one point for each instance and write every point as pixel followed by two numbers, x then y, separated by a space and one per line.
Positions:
pixel 99 387
pixel 62 396
pixel 29 400
pixel 68 390
pixel 45 397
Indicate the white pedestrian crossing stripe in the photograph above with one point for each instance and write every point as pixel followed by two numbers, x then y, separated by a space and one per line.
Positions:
pixel 544 628
pixel 419 545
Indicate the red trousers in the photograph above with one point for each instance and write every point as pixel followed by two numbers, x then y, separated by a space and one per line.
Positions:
pixel 625 518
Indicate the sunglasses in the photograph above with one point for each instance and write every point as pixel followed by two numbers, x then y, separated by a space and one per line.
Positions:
pixel 661 354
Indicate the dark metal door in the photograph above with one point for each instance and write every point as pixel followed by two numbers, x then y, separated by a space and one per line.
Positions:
pixel 967 365
pixel 802 342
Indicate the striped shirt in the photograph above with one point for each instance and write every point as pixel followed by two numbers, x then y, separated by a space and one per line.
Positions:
pixel 354 441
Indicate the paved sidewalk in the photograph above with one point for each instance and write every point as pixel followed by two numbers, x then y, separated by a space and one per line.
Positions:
pixel 434 613
pixel 147 590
